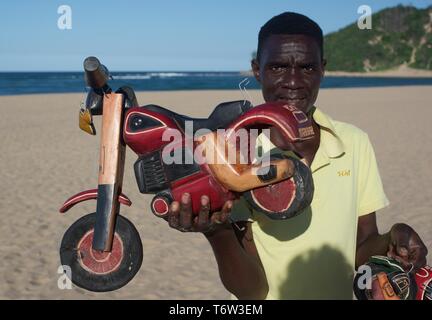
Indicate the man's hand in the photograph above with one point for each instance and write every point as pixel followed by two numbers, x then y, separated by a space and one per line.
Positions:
pixel 406 247
pixel 180 216
pixel 401 243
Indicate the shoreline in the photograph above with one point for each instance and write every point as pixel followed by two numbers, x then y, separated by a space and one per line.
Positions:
pixel 378 74
pixel 197 91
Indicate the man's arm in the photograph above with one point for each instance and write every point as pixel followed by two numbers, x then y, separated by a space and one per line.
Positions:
pixel 240 267
pixel 401 243
pixel 369 241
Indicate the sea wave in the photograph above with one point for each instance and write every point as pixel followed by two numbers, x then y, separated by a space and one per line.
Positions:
pixel 132 77
pixel 168 74
pixel 149 75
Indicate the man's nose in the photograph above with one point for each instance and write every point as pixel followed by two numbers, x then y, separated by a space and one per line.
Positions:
pixel 293 78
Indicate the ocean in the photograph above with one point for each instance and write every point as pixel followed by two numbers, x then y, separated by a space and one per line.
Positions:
pixel 13 83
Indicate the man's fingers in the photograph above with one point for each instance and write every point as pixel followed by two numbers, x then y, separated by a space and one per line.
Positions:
pixel 222 216
pixel 403 251
pixel 173 215
pixel 402 256
pixel 418 254
pixel 181 217
pixel 391 252
pixel 226 211
pixel 394 254
pixel 417 258
pixel 401 240
pixel 409 249
pixel 216 218
pixel 186 212
pixel 404 263
pixel 203 216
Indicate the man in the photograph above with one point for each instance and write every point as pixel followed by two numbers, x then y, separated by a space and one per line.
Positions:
pixel 312 255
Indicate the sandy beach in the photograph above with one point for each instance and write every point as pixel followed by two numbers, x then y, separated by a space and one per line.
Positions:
pixel 46 158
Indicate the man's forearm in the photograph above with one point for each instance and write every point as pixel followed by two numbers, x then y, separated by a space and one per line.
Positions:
pixel 374 245
pixel 241 274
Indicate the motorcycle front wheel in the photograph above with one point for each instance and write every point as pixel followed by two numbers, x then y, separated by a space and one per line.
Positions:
pixel 96 270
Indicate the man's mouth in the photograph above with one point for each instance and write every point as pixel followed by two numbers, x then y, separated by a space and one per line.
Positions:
pixel 291 99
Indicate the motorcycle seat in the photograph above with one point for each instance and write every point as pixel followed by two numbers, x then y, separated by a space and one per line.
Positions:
pixel 220 118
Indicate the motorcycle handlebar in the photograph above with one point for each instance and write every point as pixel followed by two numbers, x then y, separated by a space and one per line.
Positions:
pixel 96 74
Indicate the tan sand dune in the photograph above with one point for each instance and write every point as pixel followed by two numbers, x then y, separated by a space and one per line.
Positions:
pixel 45 159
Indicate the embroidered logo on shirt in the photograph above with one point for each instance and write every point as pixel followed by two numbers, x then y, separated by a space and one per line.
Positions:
pixel 344 173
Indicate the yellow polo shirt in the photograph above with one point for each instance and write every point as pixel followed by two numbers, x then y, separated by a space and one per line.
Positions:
pixel 312 255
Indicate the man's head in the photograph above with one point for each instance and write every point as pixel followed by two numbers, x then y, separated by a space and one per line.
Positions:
pixel 289 63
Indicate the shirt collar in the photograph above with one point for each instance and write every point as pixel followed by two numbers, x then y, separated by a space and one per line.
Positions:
pixel 331 146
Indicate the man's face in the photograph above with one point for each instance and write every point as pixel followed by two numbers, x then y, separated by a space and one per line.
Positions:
pixel 290 69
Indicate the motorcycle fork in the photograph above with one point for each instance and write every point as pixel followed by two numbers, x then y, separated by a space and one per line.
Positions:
pixel 111 168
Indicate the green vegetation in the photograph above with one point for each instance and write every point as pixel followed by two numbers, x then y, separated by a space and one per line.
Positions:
pixel 399 35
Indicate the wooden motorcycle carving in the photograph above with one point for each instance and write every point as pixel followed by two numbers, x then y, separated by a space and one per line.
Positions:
pixel 103 249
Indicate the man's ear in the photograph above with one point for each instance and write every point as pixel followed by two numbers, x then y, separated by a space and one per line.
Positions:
pixel 256 69
pixel 323 66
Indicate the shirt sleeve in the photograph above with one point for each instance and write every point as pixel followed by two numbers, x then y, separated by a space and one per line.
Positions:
pixel 241 211
pixel 371 196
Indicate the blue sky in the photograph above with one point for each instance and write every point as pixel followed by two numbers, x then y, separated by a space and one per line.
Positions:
pixel 145 35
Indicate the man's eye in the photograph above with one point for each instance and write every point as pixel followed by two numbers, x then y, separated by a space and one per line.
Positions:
pixel 309 68
pixel 277 68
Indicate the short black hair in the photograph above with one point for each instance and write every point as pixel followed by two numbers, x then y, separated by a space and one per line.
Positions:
pixel 290 23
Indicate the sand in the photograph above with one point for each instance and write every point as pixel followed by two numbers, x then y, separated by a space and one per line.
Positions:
pixel 45 159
